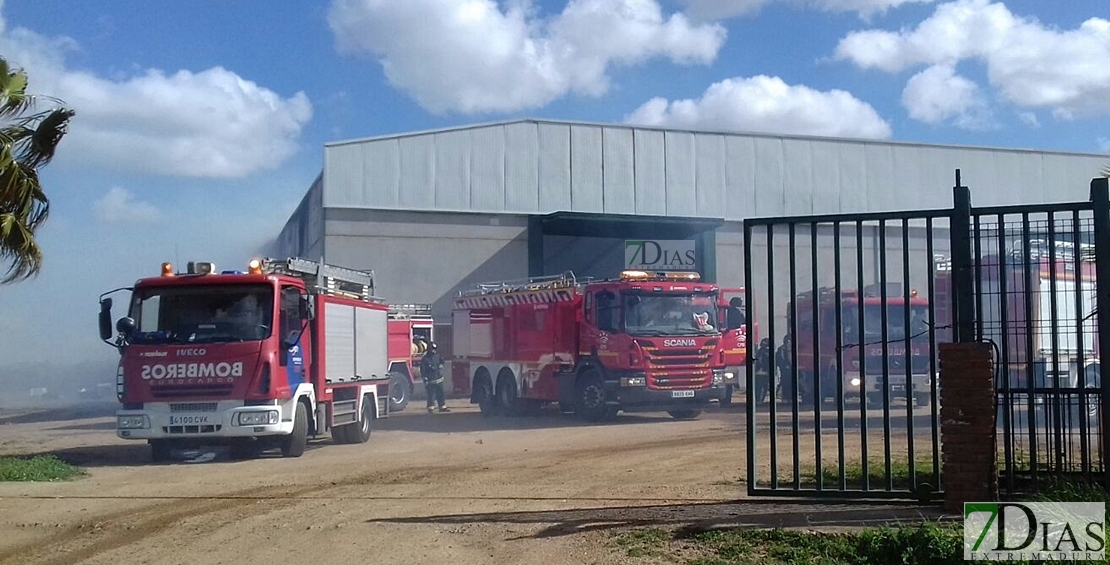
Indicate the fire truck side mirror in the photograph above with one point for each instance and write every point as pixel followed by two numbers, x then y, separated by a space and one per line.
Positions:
pixel 307 308
pixel 106 319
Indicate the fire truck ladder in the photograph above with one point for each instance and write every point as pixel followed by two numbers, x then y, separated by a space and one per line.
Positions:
pixel 405 311
pixel 329 279
pixel 550 282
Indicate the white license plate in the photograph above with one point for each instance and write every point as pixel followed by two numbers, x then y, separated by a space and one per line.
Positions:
pixel 188 420
pixel 682 394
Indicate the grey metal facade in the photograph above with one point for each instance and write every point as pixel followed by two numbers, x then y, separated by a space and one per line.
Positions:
pixel 432 211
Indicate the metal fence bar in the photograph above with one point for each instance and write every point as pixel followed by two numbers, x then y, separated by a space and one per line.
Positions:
pixel 749 317
pixel 770 332
pixel 818 395
pixel 793 317
pixel 1100 198
pixel 908 356
pixel 933 373
pixel 1008 396
pixel 885 330
pixel 861 354
pixel 842 480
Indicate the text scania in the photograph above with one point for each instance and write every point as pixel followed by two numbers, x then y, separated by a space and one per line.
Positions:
pixel 679 343
pixel 192 371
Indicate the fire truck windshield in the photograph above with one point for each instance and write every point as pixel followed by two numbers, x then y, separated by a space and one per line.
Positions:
pixel 662 314
pixel 202 314
pixel 896 326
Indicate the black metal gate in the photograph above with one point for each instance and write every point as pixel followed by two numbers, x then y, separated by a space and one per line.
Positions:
pixel 848 311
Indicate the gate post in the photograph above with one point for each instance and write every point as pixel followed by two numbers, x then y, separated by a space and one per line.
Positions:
pixel 1100 197
pixel 963 282
pixel 967 427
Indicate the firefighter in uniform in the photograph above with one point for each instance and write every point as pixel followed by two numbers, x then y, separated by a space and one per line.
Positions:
pixel 762 370
pixel 783 359
pixel 431 371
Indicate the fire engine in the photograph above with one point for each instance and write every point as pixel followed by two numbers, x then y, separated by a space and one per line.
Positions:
pixel 265 358
pixel 410 331
pixel 734 343
pixel 646 341
pixel 1051 328
pixel 861 368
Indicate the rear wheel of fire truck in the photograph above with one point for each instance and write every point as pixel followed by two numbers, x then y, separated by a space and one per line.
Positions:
pixel 400 391
pixel 359 432
pixel 483 394
pixel 293 444
pixel 684 414
pixel 508 400
pixel 590 398
pixel 160 450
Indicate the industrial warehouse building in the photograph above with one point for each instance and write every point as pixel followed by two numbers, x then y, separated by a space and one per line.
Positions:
pixel 432 212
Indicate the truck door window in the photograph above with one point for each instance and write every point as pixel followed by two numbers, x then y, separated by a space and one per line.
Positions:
pixel 608 311
pixel 588 306
pixel 290 324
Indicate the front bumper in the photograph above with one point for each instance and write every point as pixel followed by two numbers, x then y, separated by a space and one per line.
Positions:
pixel 643 399
pixel 856 384
pixel 201 420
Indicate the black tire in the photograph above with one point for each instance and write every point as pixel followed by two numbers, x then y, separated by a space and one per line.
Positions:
pixel 340 434
pixel 508 399
pixel 400 391
pixel 359 432
pixel 483 393
pixel 589 398
pixel 726 396
pixel 161 450
pixel 293 445
pixel 684 414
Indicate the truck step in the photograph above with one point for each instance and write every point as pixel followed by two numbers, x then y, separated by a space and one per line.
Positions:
pixel 344 412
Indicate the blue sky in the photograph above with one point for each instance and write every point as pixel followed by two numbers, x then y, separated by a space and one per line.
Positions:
pixel 201 123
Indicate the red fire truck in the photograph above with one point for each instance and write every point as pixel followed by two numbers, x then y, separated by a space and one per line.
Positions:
pixel 410 331
pixel 646 341
pixel 258 359
pixel 861 370
pixel 1051 327
pixel 734 343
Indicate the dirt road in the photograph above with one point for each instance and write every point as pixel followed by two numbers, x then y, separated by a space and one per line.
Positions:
pixel 427 488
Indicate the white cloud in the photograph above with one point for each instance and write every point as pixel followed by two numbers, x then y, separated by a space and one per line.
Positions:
pixel 723 9
pixel 476 56
pixel 211 123
pixel 938 95
pixel 767 104
pixel 118 205
pixel 1030 119
pixel 1032 65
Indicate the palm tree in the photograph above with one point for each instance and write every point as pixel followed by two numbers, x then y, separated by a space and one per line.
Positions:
pixel 27 141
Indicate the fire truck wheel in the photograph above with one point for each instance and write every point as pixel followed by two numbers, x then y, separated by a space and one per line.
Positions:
pixel 508 401
pixel 160 450
pixel 360 431
pixel 684 414
pixel 400 391
pixel 293 444
pixel 590 398
pixel 483 393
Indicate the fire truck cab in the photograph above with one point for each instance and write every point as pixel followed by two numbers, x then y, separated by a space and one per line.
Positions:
pixel 646 341
pixel 871 353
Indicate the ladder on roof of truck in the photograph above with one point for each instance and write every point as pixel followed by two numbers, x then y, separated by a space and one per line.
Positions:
pixel 330 279
pixel 550 282
pixel 403 311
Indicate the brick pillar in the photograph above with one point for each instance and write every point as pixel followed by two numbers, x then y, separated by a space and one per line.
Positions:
pixel 967 424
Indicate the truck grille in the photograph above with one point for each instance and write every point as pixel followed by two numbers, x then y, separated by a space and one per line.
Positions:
pixel 170 391
pixel 205 429
pixel 192 407
pixel 678 367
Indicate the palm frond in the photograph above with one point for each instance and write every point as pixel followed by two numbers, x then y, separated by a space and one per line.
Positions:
pixel 28 140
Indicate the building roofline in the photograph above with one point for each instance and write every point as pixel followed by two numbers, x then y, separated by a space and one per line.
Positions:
pixel 482 125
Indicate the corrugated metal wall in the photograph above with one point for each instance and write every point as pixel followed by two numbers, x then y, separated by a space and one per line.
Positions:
pixel 538 167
